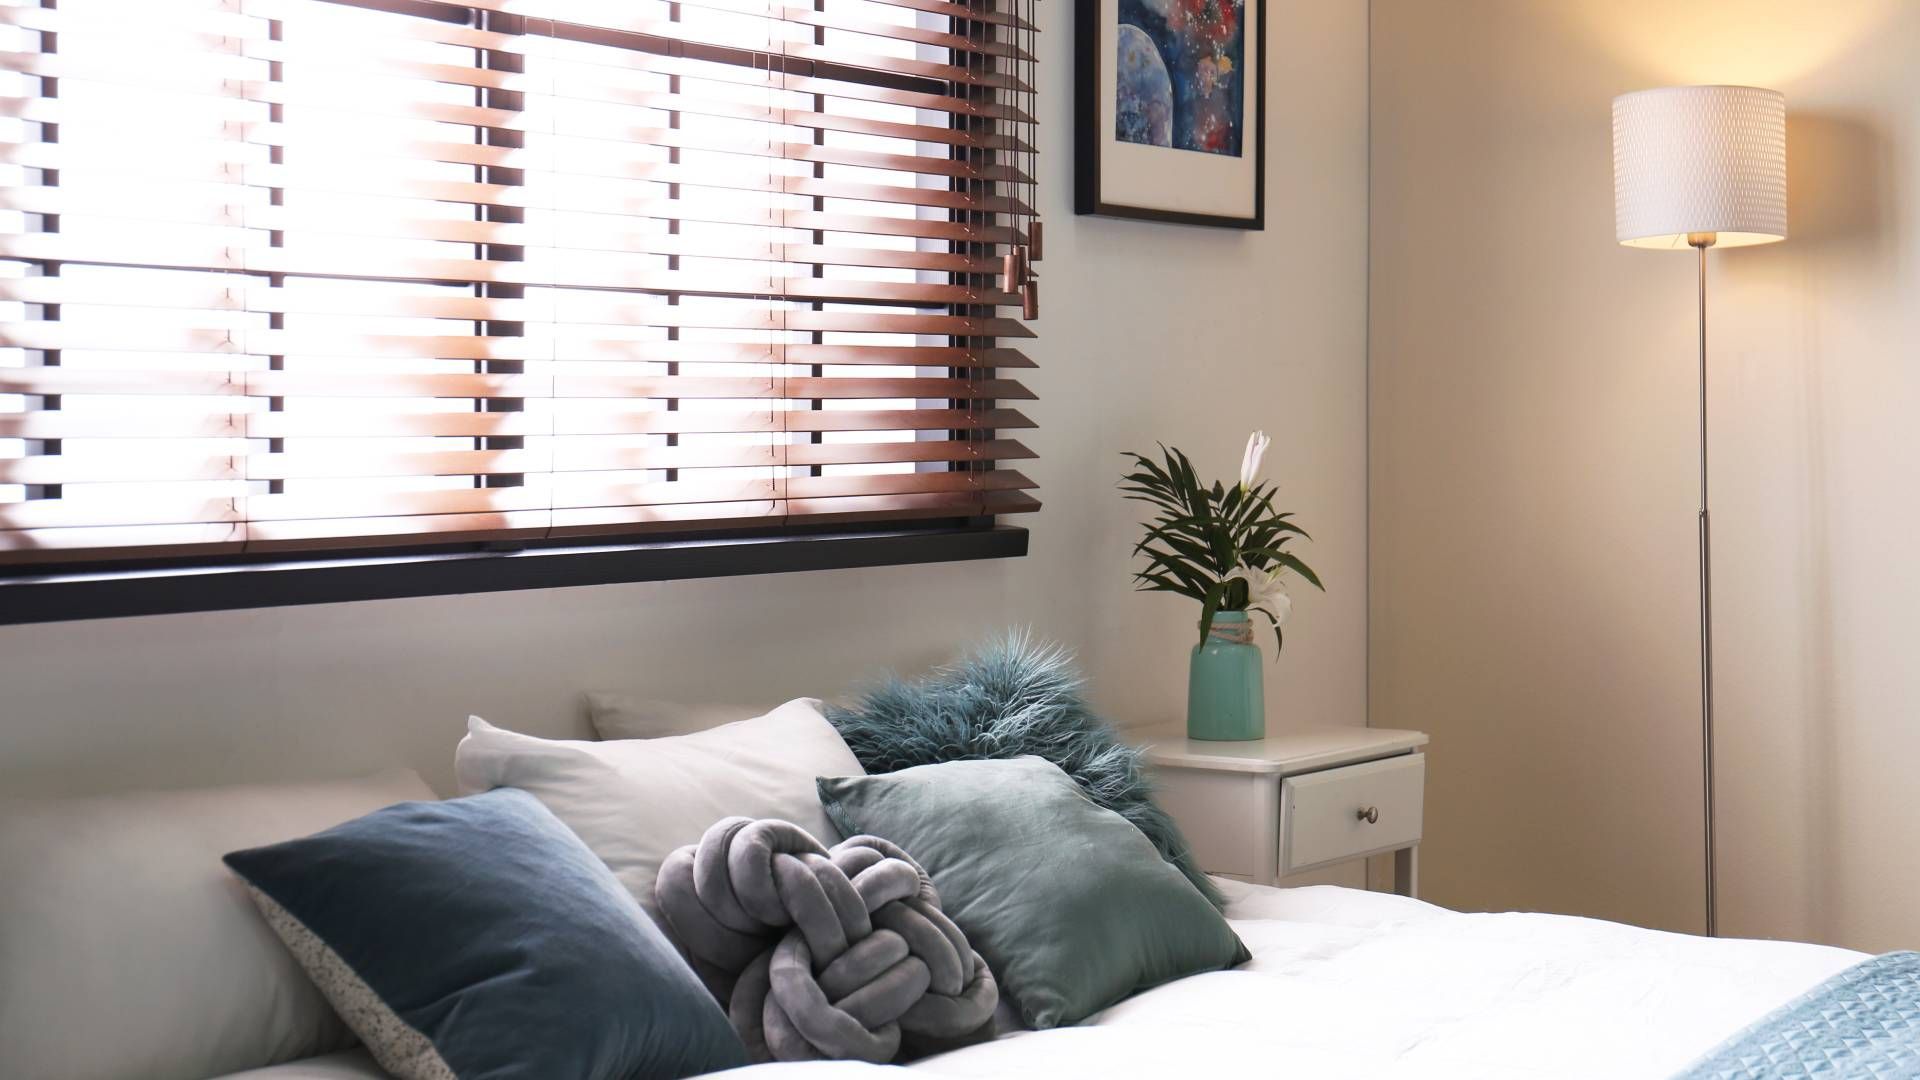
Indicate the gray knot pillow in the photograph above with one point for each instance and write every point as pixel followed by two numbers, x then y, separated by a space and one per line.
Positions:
pixel 818 953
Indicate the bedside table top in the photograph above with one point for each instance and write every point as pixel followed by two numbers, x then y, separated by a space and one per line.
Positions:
pixel 1299 751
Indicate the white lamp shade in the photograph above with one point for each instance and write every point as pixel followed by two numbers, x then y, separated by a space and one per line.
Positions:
pixel 1700 159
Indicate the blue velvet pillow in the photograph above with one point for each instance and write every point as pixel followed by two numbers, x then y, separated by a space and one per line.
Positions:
pixel 478 937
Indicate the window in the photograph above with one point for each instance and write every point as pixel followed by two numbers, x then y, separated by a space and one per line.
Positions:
pixel 310 276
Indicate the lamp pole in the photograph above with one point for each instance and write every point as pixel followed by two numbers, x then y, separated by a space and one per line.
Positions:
pixel 1700 242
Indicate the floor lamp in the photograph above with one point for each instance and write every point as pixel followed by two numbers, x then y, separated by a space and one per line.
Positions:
pixel 1699 167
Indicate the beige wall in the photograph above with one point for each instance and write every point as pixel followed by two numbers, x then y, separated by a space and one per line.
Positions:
pixel 1150 332
pixel 1533 455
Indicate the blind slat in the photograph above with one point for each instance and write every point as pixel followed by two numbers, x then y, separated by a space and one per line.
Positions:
pixel 948 8
pixel 42 545
pixel 351 383
pixel 218 160
pixel 234 207
pixel 281 517
pixel 750 176
pixel 364 423
pixel 554 270
pixel 559 457
pixel 582 491
pixel 246 30
pixel 233 72
pixel 607 307
pixel 218 339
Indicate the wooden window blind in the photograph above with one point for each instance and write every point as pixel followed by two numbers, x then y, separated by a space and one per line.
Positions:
pixel 279 275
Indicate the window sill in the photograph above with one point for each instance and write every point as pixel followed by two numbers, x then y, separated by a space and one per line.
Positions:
pixel 114 593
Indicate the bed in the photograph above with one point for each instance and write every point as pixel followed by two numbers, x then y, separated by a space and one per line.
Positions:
pixel 1346 983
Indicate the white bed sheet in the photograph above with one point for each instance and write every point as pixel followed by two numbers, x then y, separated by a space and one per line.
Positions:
pixel 1345 983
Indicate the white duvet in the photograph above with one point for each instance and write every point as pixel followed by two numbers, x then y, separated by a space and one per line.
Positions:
pixel 1346 983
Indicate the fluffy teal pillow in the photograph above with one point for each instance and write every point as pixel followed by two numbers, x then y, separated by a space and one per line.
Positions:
pixel 1071 906
pixel 1010 697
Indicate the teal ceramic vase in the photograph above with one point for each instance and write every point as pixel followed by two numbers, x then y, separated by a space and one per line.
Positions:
pixel 1225 698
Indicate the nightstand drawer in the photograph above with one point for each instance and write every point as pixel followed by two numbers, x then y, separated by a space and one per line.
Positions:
pixel 1344 813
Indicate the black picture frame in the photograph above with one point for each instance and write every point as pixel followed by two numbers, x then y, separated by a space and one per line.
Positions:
pixel 1087 142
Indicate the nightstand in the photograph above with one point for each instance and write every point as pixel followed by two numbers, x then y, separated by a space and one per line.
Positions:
pixel 1263 809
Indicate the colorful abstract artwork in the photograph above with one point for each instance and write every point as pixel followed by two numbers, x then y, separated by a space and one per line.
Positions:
pixel 1170 110
pixel 1179 67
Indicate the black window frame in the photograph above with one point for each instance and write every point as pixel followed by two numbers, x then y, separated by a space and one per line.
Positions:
pixel 70 592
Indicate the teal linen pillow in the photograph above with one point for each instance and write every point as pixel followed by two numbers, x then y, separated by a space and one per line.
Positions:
pixel 1071 906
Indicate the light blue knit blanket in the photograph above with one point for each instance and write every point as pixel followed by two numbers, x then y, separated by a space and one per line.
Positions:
pixel 1863 1022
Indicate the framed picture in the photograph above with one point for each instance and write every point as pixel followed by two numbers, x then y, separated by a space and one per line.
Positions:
pixel 1170 110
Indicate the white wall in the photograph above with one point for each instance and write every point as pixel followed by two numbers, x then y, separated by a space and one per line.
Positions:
pixel 1533 444
pixel 1149 332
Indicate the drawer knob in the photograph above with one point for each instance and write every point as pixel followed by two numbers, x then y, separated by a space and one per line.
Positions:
pixel 1368 814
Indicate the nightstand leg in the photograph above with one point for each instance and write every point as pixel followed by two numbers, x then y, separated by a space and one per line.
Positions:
pixel 1266 841
pixel 1406 871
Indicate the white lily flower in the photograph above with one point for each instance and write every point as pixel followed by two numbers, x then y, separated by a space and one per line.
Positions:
pixel 1257 444
pixel 1264 592
pixel 1279 605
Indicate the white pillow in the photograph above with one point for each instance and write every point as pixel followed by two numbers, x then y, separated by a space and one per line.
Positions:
pixel 628 716
pixel 127 949
pixel 633 801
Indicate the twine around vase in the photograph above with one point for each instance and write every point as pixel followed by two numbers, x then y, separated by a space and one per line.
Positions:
pixel 1240 633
